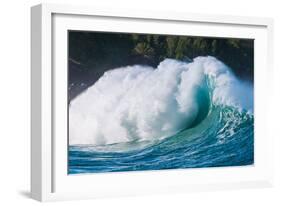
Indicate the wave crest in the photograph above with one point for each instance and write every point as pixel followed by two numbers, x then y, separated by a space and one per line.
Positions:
pixel 137 103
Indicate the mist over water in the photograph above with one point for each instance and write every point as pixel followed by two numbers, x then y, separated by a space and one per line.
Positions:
pixel 141 103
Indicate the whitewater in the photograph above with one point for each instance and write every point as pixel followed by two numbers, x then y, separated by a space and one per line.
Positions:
pixel 142 103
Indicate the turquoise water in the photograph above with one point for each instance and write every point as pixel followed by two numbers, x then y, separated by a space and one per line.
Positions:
pixel 224 138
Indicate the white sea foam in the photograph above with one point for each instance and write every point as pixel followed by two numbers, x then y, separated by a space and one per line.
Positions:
pixel 143 103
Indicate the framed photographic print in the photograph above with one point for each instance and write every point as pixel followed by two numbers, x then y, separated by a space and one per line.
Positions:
pixel 133 102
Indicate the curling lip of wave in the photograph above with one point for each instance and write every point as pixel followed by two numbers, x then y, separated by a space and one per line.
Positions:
pixel 136 103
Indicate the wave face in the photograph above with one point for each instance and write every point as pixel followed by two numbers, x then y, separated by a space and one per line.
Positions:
pixel 177 115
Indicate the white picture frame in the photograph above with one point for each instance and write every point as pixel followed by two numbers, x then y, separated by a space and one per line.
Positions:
pixel 49 179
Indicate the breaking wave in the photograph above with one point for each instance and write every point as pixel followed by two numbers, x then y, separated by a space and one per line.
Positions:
pixel 141 103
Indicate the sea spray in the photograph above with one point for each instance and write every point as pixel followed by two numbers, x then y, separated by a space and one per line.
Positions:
pixel 141 103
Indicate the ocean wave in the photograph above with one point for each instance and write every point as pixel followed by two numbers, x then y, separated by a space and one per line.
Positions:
pixel 140 103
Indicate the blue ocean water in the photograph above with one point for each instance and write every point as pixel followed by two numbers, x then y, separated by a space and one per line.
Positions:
pixel 119 124
pixel 219 140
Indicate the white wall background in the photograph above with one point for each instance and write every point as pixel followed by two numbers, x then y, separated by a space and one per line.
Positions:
pixel 15 95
